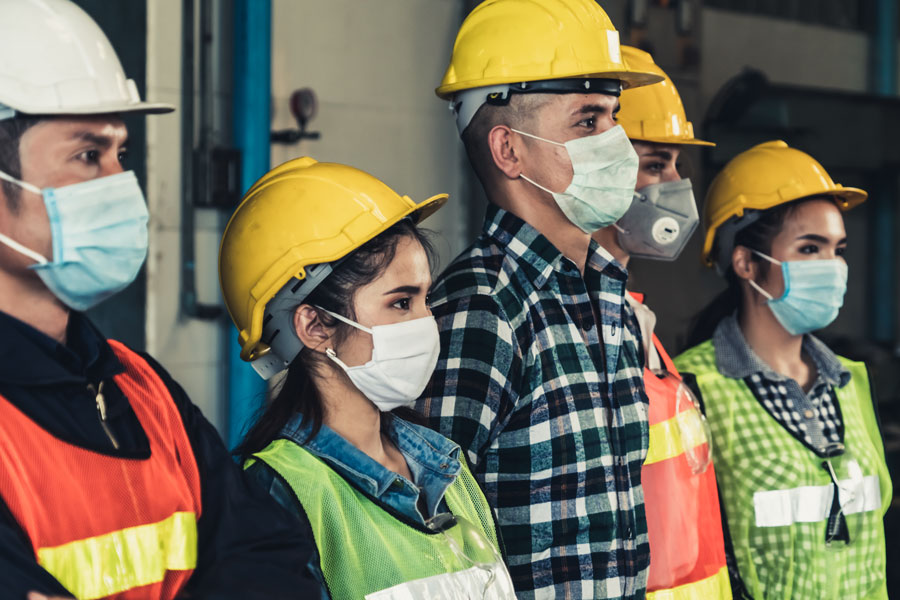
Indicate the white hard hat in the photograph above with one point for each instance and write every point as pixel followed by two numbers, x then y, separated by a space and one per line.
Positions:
pixel 54 59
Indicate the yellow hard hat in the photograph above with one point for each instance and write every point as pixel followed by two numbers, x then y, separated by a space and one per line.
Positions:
pixel 505 45
pixel 764 176
pixel 300 214
pixel 654 113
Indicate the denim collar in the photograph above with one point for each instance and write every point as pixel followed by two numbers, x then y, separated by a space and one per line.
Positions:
pixel 433 460
pixel 736 359
pixel 537 255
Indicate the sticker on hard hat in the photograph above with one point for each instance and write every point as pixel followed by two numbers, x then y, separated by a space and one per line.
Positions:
pixel 612 41
pixel 666 230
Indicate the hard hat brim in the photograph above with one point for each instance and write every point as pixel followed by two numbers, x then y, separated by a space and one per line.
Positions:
pixel 149 108
pixel 673 141
pixel 629 79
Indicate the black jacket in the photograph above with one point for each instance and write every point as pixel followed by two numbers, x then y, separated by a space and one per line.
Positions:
pixel 248 546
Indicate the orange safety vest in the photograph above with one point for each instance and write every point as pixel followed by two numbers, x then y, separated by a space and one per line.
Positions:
pixel 104 526
pixel 684 523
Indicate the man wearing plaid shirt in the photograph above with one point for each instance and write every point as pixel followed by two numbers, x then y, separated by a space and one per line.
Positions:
pixel 540 377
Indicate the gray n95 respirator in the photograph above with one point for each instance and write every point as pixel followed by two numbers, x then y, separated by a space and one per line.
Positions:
pixel 660 221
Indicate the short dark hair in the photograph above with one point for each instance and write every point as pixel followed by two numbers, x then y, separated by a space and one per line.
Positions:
pixel 519 112
pixel 11 132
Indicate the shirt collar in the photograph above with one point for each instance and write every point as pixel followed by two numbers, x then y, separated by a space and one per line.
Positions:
pixel 736 359
pixel 30 357
pixel 537 255
pixel 428 449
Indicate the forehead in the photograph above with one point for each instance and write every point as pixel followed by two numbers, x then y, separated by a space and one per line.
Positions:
pixel 573 103
pixel 655 148
pixel 821 217
pixel 110 128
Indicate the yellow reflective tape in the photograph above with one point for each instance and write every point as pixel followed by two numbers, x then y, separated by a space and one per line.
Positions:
pixel 666 437
pixel 115 562
pixel 717 587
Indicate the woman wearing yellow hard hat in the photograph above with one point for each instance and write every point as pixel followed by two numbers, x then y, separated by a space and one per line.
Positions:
pixel 684 525
pixel 326 276
pixel 798 452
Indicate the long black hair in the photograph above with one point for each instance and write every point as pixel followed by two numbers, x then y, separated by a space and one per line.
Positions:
pixel 297 393
pixel 758 236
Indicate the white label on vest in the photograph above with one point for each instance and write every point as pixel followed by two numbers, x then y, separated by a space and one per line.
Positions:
pixel 811 504
pixel 486 581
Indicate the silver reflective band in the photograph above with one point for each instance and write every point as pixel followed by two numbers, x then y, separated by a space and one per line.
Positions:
pixel 811 504
pixel 481 581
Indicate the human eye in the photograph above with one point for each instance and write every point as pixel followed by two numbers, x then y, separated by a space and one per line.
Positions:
pixel 588 123
pixel 809 249
pixel 89 157
pixel 401 304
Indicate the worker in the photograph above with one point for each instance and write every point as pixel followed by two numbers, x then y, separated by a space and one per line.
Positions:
pixel 687 553
pixel 540 375
pixel 112 484
pixel 325 275
pixel 798 452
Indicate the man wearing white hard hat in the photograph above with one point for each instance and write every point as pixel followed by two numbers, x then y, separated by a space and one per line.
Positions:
pixel 112 484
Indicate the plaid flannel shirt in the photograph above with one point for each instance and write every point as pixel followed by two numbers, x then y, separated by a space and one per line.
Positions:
pixel 552 417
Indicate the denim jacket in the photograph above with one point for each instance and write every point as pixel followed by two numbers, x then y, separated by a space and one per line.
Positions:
pixel 433 461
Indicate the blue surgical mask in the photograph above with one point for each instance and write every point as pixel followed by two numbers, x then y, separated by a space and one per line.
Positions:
pixel 604 171
pixel 813 293
pixel 99 233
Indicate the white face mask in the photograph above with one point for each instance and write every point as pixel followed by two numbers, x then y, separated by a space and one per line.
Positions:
pixel 604 172
pixel 403 358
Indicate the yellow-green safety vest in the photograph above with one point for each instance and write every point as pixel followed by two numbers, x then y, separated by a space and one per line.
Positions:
pixel 777 494
pixel 365 548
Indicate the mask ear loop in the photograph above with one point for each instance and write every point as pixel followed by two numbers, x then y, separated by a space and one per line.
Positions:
pixel 23 250
pixel 329 352
pixel 755 285
pixel 39 259
pixel 523 176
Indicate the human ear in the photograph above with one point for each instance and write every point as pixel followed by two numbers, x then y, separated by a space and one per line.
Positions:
pixel 504 152
pixel 310 329
pixel 743 264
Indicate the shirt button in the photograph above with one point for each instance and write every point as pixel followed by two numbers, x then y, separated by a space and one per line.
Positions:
pixel 629 533
pixel 397 483
pixel 808 414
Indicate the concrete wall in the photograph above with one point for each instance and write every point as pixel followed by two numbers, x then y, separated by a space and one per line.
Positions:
pixel 374 66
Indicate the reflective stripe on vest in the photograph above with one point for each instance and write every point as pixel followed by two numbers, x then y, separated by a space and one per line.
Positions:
pixel 143 555
pixel 100 524
pixel 714 587
pixel 665 438
pixel 812 503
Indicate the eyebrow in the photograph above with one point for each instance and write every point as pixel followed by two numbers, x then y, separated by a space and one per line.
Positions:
pixel 104 141
pixel 593 108
pixel 404 289
pixel 663 154
pixel 819 238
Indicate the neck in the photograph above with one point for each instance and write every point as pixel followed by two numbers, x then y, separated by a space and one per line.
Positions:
pixel 532 206
pixel 31 302
pixel 608 237
pixel 352 416
pixel 768 338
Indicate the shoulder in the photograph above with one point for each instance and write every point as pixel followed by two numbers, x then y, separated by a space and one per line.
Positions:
pixel 699 359
pixel 476 271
